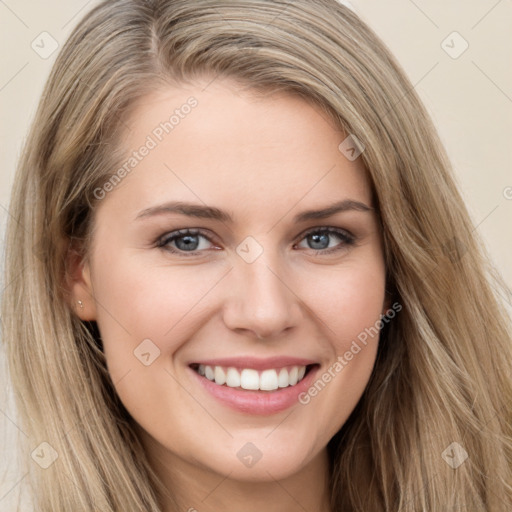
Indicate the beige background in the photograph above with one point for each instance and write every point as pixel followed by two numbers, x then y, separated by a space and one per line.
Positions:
pixel 469 98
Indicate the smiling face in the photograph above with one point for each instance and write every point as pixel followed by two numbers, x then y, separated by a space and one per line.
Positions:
pixel 260 283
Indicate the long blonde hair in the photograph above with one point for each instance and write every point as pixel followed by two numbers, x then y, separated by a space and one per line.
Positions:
pixel 444 364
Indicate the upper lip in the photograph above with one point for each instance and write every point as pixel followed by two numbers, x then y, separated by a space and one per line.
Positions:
pixel 256 363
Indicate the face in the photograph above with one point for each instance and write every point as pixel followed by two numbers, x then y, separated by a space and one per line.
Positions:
pixel 240 245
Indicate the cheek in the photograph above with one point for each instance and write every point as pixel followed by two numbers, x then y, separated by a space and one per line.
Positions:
pixel 145 314
pixel 349 303
pixel 137 302
pixel 348 298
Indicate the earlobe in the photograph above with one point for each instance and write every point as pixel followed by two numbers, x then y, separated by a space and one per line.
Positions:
pixel 79 286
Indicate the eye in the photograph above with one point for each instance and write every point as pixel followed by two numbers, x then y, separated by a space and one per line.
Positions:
pixel 319 239
pixel 192 241
pixel 185 241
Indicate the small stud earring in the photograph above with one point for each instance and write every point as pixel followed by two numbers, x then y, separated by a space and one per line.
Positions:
pixel 81 304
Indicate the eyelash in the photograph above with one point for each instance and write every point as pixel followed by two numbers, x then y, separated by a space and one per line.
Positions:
pixel 347 239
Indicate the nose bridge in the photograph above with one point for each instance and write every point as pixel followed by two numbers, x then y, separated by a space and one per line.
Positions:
pixel 261 300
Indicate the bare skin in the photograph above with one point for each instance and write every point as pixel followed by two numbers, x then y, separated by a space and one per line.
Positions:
pixel 263 161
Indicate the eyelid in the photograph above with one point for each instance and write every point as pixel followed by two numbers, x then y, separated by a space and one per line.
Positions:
pixel 329 229
pixel 168 237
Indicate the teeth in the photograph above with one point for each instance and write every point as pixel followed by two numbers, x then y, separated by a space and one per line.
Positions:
pixel 208 373
pixel 282 380
pixel 220 375
pixel 268 380
pixel 292 376
pixel 233 378
pixel 248 378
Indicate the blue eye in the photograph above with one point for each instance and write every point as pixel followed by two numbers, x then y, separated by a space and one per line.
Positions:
pixel 319 239
pixel 185 240
pixel 188 242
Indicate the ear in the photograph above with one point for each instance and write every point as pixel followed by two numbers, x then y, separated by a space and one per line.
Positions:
pixel 79 286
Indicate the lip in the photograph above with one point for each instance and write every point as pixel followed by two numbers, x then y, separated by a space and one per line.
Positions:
pixel 256 363
pixel 261 403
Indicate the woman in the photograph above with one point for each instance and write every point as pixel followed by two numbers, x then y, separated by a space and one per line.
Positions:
pixel 332 340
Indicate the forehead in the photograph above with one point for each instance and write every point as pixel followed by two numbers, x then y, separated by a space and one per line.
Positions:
pixel 219 143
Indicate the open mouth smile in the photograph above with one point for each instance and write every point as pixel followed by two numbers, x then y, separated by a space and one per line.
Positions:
pixel 258 391
pixel 252 379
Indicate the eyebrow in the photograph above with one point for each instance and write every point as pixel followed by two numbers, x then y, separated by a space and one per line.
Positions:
pixel 211 212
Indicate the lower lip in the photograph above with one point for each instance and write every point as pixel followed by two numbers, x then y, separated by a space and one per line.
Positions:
pixel 258 402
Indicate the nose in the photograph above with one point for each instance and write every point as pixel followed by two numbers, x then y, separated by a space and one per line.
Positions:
pixel 261 300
